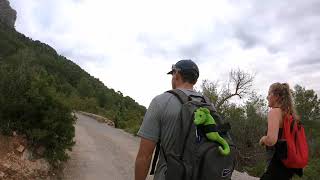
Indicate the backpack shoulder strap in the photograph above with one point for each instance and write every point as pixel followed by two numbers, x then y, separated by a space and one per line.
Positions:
pixel 291 121
pixel 156 156
pixel 155 159
pixel 183 98
pixel 207 99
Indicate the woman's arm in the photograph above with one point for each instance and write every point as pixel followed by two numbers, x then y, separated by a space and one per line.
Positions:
pixel 274 119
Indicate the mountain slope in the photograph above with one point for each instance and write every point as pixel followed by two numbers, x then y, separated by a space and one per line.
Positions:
pixel 39 88
pixel 76 87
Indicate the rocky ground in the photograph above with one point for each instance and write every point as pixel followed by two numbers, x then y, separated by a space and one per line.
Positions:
pixel 17 163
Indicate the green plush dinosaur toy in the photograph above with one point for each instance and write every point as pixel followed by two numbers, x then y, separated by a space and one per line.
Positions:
pixel 203 116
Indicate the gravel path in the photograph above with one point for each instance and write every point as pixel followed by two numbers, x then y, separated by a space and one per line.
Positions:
pixel 106 153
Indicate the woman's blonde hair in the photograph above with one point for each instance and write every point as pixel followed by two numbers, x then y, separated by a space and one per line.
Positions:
pixel 285 100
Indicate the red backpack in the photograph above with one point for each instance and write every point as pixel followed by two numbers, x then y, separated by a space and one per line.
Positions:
pixel 297 147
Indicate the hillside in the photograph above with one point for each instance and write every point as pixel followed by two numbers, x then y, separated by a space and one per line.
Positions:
pixel 40 88
pixel 72 84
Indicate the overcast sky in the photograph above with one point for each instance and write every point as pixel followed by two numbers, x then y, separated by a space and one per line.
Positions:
pixel 130 45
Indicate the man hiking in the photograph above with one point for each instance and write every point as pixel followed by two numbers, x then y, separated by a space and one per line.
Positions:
pixel 172 123
pixel 160 120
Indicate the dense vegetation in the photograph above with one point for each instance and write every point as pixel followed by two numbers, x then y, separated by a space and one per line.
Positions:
pixel 39 89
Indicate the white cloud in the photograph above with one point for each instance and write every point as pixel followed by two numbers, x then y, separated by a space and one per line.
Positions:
pixel 130 45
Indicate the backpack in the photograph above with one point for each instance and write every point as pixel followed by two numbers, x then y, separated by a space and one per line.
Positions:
pixel 193 156
pixel 296 144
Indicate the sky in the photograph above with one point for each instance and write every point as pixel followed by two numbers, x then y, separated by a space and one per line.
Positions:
pixel 131 45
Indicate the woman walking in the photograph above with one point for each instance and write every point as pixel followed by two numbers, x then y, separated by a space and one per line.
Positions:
pixel 281 106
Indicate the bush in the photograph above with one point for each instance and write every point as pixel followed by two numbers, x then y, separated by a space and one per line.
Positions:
pixel 256 170
pixel 29 105
pixel 311 172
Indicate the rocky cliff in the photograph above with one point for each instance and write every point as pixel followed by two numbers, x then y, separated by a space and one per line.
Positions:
pixel 7 14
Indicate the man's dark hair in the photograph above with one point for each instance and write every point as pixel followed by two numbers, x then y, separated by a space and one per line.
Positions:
pixel 188 76
pixel 188 70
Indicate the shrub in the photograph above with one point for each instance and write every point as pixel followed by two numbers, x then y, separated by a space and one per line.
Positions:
pixel 29 105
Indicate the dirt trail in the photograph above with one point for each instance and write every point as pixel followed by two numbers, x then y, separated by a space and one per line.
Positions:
pixel 105 153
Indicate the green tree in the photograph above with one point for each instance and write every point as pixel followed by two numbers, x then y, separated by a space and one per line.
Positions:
pixel 84 88
pixel 307 103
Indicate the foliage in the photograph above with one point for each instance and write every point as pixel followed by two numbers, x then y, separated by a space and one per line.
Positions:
pixel 307 103
pixel 29 106
pixel 311 172
pixel 39 89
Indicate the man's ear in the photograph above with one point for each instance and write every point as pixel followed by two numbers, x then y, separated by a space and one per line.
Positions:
pixel 178 78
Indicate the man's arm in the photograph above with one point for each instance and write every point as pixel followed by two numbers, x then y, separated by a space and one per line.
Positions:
pixel 150 134
pixel 143 159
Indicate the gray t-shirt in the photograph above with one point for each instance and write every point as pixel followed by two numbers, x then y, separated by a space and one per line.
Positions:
pixel 159 124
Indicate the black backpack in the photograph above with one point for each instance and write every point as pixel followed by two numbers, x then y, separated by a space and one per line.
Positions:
pixel 194 157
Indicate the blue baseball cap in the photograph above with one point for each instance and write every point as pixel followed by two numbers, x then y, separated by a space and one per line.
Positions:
pixel 185 66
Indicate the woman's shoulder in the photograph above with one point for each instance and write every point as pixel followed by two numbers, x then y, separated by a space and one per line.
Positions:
pixel 275 112
pixel 275 109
